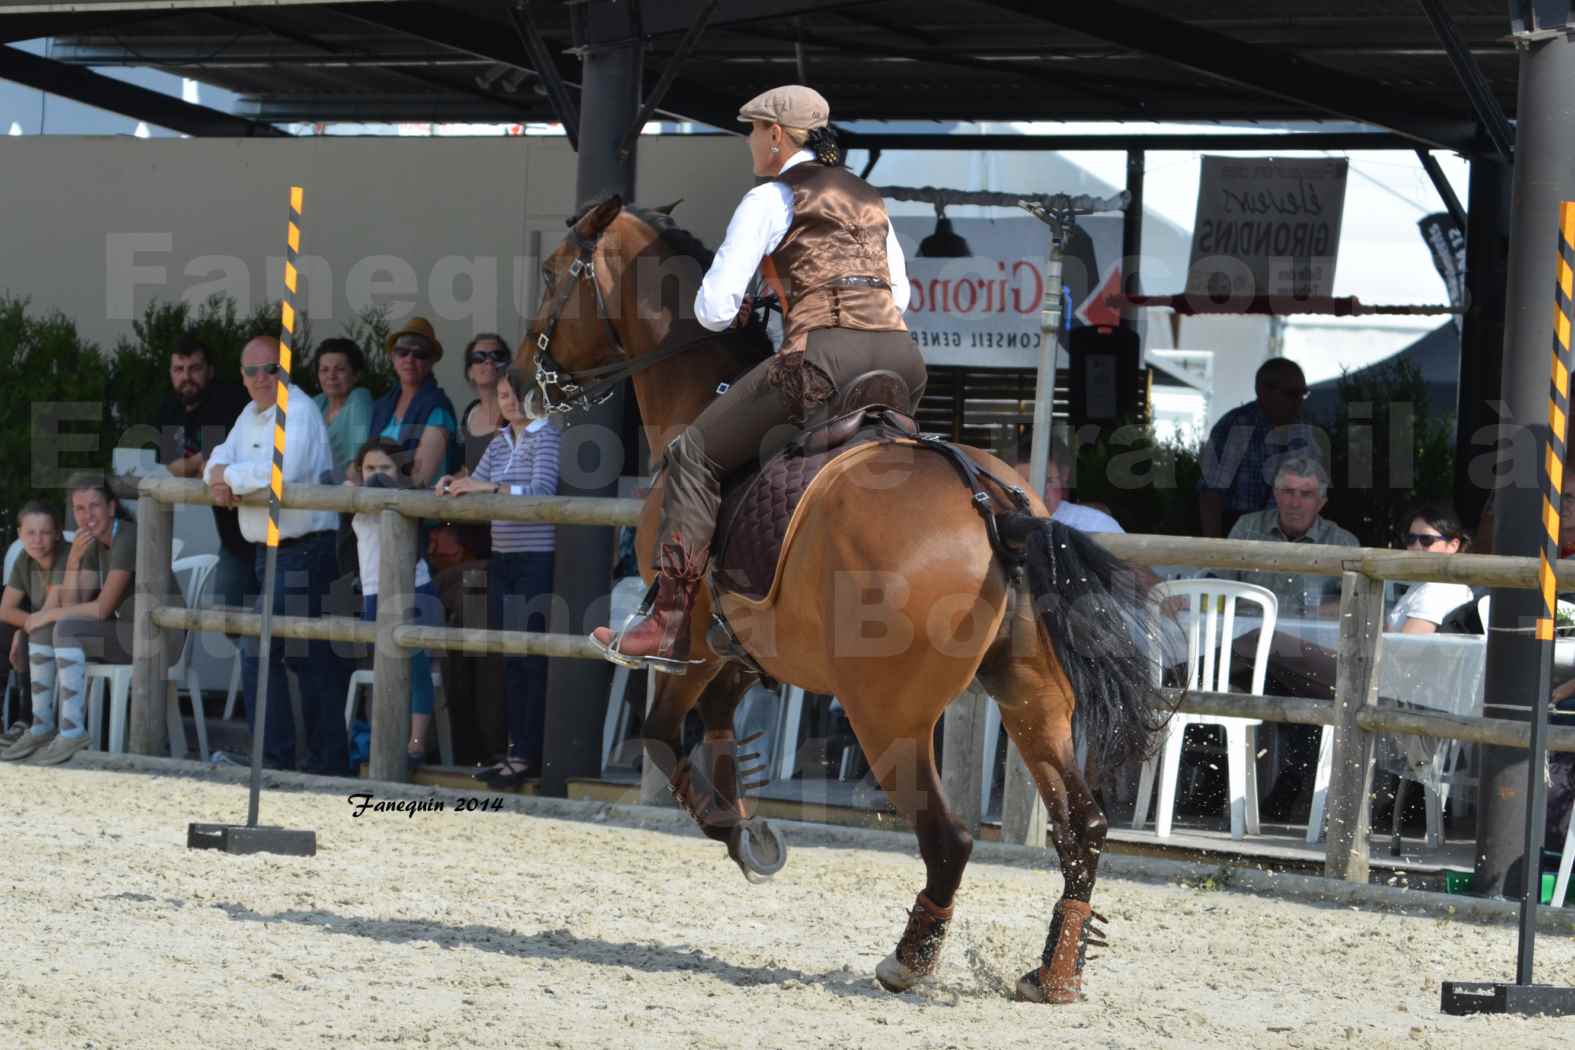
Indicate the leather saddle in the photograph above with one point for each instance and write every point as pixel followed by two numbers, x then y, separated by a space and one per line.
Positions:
pixel 758 502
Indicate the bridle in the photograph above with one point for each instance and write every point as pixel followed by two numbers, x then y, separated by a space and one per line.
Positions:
pixel 589 387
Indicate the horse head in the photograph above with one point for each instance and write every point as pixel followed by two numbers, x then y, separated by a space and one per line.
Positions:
pixel 575 346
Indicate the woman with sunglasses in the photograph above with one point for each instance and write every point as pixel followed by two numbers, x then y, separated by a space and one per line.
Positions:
pixel 417 415
pixel 1436 530
pixel 487 360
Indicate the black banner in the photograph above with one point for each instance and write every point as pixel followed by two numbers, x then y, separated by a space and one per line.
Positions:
pixel 1447 241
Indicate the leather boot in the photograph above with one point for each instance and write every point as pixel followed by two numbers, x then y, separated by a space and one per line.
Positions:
pixel 660 637
pixel 1059 978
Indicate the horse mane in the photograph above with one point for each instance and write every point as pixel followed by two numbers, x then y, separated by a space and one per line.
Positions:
pixel 675 239
pixel 751 344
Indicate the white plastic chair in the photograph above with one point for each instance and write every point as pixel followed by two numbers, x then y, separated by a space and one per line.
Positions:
pixel 1566 862
pixel 440 714
pixel 1210 632
pixel 193 574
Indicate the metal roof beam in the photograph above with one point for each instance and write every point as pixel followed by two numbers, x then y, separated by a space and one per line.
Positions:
pixel 494 41
pixel 1225 141
pixel 1489 113
pixel 117 96
pixel 1269 71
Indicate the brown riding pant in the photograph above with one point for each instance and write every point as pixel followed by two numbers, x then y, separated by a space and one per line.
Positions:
pixel 763 411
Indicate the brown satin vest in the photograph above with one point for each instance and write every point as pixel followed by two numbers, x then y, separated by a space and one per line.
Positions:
pixel 838 231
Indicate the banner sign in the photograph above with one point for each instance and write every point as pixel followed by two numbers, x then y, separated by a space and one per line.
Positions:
pixel 984 310
pixel 1267 226
pixel 1447 243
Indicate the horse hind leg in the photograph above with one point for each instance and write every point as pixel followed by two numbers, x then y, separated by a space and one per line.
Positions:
pixel 903 761
pixel 1036 706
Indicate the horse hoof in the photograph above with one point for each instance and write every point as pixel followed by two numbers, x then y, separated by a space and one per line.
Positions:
pixel 894 976
pixel 759 849
pixel 1030 990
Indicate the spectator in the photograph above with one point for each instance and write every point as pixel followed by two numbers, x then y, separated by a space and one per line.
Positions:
pixel 1058 476
pixel 306 562
pixel 418 415
pixel 456 549
pixel 87 617
pixel 346 405
pixel 1301 488
pixel 1436 530
pixel 1245 447
pixel 521 461
pixel 194 417
pixel 486 361
pixel 376 466
pixel 39 569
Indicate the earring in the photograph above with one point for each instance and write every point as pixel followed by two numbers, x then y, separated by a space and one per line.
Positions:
pixel 775 149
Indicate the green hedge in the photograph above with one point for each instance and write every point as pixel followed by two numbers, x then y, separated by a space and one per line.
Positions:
pixel 52 419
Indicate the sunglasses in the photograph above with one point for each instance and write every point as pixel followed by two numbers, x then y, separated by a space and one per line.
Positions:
pixel 420 354
pixel 1424 539
pixel 497 357
pixel 252 371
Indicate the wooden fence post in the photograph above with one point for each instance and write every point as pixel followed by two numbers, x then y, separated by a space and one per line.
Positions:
pixel 965 768
pixel 150 649
pixel 396 584
pixel 1351 775
pixel 1024 818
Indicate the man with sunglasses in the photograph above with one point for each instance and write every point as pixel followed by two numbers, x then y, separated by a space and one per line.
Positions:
pixel 307 559
pixel 1246 446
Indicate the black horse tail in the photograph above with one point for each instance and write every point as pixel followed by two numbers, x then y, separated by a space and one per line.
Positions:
pixel 1105 632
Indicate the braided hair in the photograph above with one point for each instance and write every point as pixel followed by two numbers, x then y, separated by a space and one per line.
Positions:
pixel 825 143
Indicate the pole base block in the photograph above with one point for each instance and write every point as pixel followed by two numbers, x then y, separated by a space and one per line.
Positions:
pixel 1525 1000
pixel 243 838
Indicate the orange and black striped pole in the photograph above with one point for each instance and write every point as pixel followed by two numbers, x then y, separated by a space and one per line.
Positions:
pixel 275 494
pixel 1552 502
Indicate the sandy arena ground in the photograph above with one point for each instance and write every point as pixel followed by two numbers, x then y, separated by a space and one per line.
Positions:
pixel 511 931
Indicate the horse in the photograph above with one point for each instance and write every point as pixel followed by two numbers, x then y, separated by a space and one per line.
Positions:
pixel 1048 621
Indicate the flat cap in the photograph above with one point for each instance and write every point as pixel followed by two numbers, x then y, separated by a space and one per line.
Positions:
pixel 791 105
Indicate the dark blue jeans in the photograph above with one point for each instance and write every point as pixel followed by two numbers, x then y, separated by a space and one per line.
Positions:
pixel 519 592
pixel 305 570
pixel 235 579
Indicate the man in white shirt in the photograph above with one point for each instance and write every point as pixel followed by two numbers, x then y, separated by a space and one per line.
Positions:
pixel 306 565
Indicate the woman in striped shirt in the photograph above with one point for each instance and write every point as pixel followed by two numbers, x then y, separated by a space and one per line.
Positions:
pixel 521 461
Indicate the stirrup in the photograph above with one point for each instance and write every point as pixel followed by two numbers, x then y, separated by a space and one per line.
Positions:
pixel 662 664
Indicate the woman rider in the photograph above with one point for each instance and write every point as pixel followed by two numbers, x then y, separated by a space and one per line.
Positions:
pixel 821 238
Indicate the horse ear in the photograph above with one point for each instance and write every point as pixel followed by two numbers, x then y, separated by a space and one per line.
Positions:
pixel 600 217
pixel 667 209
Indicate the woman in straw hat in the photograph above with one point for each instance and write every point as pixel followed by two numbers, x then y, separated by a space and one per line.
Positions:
pixel 417 414
pixel 820 237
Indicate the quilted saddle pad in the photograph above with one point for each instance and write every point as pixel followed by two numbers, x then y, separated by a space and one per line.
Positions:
pixel 757 507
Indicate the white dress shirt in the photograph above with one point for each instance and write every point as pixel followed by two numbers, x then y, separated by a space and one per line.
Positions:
pixel 245 463
pixel 758 225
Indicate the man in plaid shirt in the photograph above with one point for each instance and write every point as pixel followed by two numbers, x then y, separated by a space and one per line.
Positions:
pixel 1246 446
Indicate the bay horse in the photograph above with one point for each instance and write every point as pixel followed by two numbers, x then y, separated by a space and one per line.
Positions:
pixel 1059 631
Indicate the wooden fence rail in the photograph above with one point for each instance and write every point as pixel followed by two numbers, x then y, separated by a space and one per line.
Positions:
pixel 1355 714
